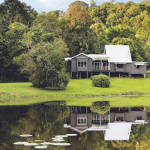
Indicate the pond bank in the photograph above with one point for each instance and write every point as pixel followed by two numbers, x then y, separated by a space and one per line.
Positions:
pixel 22 93
pixel 118 101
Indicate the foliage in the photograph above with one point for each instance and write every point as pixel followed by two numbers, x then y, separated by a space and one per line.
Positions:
pixel 100 107
pixel 120 31
pixel 48 37
pixel 101 81
pixel 83 29
pixel 79 4
pixel 13 47
pixel 148 71
pixel 15 11
pixel 92 3
pixel 45 64
pixel 27 39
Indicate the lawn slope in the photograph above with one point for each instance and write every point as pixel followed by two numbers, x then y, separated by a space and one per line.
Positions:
pixel 77 89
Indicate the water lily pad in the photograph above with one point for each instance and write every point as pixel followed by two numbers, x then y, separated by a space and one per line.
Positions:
pixel 39 140
pixel 71 134
pixel 61 135
pixel 63 144
pixel 20 143
pixel 31 144
pixel 25 135
pixel 40 147
pixel 58 140
pixel 55 138
pixel 47 143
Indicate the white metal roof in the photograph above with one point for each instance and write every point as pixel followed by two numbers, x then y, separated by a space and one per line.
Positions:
pixel 118 131
pixel 80 54
pixel 98 56
pixel 140 122
pixel 140 63
pixel 68 58
pixel 118 53
pixel 92 56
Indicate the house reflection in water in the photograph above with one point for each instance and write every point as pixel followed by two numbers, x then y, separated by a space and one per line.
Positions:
pixel 116 124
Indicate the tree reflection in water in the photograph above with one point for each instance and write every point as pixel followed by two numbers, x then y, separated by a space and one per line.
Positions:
pixel 48 120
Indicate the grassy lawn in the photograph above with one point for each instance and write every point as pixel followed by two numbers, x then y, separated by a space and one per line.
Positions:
pixel 79 92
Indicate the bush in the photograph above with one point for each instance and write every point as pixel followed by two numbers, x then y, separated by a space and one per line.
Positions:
pixel 148 71
pixel 37 81
pixel 100 107
pixel 101 81
pixel 60 81
pixel 91 77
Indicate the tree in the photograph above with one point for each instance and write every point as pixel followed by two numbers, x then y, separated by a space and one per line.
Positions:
pixel 76 28
pixel 27 39
pixel 45 64
pixel 47 22
pixel 14 10
pixel 48 37
pixel 144 31
pixel 79 4
pixel 14 47
pixel 92 3
pixel 119 31
pixel 3 54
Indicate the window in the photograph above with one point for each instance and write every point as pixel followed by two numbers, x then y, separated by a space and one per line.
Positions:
pixel 82 64
pixel 139 117
pixel 79 64
pixel 139 66
pixel 81 121
pixel 119 65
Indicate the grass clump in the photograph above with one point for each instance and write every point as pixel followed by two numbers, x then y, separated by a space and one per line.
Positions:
pixel 101 81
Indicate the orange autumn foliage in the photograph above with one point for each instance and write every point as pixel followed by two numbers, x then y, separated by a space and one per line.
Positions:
pixel 77 16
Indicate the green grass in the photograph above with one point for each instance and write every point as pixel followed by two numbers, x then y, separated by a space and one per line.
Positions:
pixel 79 92
pixel 119 101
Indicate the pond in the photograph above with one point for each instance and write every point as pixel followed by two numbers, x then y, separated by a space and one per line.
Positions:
pixel 55 125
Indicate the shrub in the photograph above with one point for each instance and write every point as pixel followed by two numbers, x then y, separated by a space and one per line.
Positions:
pixel 148 71
pixel 91 77
pixel 101 81
pixel 100 107
pixel 37 81
pixel 60 81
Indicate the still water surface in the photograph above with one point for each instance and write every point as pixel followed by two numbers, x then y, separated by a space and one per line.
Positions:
pixel 84 129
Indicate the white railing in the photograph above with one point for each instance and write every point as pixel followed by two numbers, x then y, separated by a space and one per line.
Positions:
pixel 101 68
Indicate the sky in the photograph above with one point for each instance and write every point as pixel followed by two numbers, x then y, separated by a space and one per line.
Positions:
pixel 50 5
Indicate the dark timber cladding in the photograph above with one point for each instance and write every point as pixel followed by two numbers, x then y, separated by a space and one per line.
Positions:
pixel 116 60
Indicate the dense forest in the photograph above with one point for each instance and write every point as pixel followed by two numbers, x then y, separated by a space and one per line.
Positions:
pixel 32 42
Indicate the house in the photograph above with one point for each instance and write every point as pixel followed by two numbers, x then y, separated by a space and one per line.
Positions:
pixel 112 123
pixel 116 60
